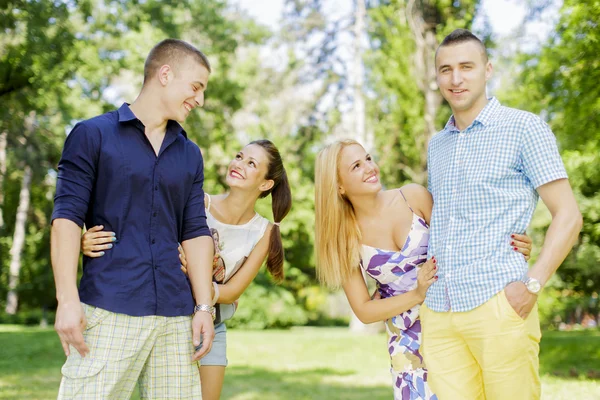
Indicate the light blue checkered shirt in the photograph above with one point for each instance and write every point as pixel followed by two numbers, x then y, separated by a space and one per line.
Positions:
pixel 483 183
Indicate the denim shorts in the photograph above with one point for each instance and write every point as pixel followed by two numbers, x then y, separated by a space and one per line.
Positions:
pixel 217 356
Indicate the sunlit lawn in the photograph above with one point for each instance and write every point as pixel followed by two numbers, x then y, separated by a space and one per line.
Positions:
pixel 303 363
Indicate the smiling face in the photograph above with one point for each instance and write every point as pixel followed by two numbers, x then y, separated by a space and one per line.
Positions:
pixel 248 170
pixel 184 88
pixel 462 71
pixel 358 173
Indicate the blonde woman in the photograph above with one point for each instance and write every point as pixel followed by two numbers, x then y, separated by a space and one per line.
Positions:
pixel 243 241
pixel 386 234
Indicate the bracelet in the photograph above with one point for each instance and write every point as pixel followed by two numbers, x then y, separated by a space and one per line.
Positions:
pixel 216 296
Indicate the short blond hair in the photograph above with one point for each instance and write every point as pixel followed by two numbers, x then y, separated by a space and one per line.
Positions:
pixel 172 52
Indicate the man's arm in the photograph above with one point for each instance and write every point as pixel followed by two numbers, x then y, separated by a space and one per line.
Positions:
pixel 76 174
pixel 198 246
pixel 199 253
pixel 64 253
pixel 560 238
pixel 562 233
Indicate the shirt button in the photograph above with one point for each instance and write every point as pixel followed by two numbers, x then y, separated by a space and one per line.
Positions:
pixel 461 135
pixel 156 267
pixel 153 241
pixel 156 187
pixel 155 214
pixel 448 247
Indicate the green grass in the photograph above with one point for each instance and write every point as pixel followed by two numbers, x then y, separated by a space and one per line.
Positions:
pixel 571 354
pixel 303 363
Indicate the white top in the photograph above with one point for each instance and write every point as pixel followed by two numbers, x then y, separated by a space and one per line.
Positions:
pixel 236 242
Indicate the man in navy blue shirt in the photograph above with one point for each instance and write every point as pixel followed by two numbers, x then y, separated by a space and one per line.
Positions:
pixel 134 171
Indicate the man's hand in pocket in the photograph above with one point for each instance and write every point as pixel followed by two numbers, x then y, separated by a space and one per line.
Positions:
pixel 519 298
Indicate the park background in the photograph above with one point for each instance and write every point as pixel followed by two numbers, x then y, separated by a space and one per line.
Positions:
pixel 300 73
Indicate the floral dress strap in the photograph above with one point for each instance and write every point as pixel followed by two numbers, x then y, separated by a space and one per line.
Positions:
pixel 406 201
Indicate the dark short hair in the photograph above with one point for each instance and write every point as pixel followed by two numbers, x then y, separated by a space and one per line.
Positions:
pixel 172 51
pixel 459 36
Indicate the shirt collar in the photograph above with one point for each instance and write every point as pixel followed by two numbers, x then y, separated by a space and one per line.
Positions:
pixel 484 118
pixel 126 115
pixel 489 111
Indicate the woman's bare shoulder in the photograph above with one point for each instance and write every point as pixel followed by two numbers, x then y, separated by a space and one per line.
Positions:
pixel 419 199
pixel 212 199
pixel 415 190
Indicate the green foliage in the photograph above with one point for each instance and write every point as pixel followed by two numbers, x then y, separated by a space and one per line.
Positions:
pixel 57 60
pixel 263 307
pixel 397 108
pixel 562 78
pixel 560 82
pixel 581 271
pixel 397 111
pixel 30 317
pixel 63 61
pixel 271 110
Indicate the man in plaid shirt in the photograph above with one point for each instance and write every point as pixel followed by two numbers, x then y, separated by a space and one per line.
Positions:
pixel 487 169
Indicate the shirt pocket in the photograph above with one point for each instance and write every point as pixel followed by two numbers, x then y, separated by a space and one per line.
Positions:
pixel 113 189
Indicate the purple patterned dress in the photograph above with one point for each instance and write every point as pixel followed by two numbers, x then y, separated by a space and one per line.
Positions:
pixel 396 273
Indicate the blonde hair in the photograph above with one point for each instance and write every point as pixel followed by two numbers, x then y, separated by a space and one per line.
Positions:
pixel 337 235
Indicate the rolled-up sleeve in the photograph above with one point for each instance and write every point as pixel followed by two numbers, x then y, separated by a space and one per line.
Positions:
pixel 76 174
pixel 194 216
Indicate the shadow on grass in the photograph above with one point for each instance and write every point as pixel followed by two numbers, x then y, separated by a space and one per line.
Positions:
pixel 30 362
pixel 571 354
pixel 320 383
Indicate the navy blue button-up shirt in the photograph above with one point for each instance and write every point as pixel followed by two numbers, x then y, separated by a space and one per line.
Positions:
pixel 110 175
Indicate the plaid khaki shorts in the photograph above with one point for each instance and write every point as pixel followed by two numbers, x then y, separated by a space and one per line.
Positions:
pixel 153 351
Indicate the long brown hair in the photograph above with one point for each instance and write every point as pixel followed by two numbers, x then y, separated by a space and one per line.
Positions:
pixel 337 234
pixel 281 199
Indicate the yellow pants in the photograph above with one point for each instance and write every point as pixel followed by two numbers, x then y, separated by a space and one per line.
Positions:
pixel 487 353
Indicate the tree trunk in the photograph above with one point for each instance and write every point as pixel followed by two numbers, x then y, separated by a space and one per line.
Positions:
pixel 423 30
pixel 2 174
pixel 360 131
pixel 12 299
pixel 357 77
